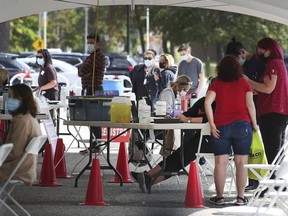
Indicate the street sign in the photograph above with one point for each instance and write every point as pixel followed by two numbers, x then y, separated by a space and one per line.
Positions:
pixel 38 44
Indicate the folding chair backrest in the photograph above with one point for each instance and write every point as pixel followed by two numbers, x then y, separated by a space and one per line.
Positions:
pixel 33 147
pixel 4 152
pixel 205 131
pixel 36 144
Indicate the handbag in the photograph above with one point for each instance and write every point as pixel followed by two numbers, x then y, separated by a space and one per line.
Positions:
pixel 257 155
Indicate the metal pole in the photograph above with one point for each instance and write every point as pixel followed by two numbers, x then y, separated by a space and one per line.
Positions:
pixel 128 30
pixel 147 28
pixel 86 29
pixel 45 29
pixel 39 25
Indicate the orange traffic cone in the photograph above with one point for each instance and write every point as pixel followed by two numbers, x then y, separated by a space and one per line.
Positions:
pixel 193 197
pixel 94 194
pixel 59 160
pixel 48 176
pixel 122 165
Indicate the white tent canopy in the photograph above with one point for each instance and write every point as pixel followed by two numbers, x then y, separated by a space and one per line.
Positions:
pixel 275 10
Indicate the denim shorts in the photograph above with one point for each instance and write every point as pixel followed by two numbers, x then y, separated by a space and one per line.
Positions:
pixel 236 135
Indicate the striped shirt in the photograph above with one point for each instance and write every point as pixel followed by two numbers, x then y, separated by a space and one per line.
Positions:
pixel 85 70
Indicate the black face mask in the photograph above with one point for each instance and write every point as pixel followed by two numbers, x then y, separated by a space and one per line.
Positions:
pixel 263 59
pixel 162 65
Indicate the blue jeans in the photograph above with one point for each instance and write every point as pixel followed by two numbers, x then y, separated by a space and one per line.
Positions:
pixel 236 135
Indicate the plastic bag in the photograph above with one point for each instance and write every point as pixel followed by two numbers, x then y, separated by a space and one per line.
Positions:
pixel 257 155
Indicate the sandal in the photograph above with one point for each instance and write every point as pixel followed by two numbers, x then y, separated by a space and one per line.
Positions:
pixel 217 200
pixel 241 201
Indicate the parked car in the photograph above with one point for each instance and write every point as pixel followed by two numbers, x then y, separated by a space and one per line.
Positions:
pixel 66 73
pixel 15 67
pixel 117 64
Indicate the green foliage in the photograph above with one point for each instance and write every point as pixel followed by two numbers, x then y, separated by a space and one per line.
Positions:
pixel 65 29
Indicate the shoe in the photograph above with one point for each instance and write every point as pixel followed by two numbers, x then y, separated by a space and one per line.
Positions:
pixel 144 181
pixel 262 193
pixel 250 188
pixel 241 201
pixel 217 201
pixel 95 149
pixel 134 176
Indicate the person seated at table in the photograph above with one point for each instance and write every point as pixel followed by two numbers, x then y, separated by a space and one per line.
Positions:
pixel 195 114
pixel 23 127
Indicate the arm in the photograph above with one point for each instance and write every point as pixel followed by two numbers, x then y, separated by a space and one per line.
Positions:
pixel 49 85
pixel 201 83
pixel 251 109
pixel 267 87
pixel 210 97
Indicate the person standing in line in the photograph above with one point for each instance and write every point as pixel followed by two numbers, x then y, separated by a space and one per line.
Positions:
pixel 85 71
pixel 272 91
pixel 230 125
pixel 191 67
pixel 253 68
pixel 167 71
pixel 47 79
pixel 24 126
pixel 143 79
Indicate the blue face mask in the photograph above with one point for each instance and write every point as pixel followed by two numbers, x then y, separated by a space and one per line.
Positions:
pixel 12 104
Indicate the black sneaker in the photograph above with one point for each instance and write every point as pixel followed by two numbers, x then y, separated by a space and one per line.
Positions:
pixel 134 176
pixel 250 188
pixel 144 181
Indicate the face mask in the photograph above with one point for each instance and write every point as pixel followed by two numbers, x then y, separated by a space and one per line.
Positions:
pixel 90 48
pixel 242 61
pixel 149 63
pixel 263 59
pixel 40 61
pixel 13 104
pixel 162 65
pixel 182 93
pixel 184 57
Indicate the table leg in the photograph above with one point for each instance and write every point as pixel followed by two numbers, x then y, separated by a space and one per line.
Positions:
pixel 182 152
pixel 108 157
pixel 89 161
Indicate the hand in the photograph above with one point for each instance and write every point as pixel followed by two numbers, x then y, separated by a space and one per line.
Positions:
pixel 255 127
pixel 214 131
pixel 156 77
pixel 182 118
pixel 245 77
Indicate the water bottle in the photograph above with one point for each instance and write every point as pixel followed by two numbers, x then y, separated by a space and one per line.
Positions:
pixel 177 108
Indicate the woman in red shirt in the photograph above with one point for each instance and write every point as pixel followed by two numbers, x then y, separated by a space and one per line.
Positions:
pixel 272 91
pixel 230 125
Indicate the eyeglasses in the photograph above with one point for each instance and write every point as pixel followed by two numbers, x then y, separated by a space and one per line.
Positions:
pixel 147 58
pixel 40 57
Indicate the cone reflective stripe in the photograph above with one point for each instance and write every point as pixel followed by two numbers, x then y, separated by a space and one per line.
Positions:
pixel 122 165
pixel 94 194
pixel 193 197
pixel 48 175
pixel 59 160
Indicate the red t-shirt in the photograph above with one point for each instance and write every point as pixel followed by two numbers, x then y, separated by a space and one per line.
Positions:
pixel 277 100
pixel 230 101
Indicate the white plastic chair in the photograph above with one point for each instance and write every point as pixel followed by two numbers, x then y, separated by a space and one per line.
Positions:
pixel 273 203
pixel 271 168
pixel 210 162
pixel 5 149
pixel 33 148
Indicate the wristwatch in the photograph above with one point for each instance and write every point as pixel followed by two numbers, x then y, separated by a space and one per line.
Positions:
pixel 189 120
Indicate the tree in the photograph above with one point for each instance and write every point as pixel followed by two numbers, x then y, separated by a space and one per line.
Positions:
pixel 4 36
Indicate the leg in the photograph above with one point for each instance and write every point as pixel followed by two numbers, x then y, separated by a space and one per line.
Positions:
pixel 221 162
pixel 241 173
